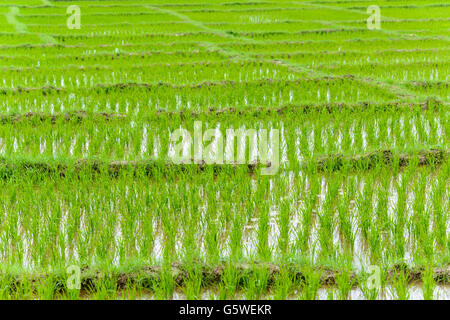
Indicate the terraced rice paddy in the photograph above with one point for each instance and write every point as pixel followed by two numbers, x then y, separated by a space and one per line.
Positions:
pixel 356 208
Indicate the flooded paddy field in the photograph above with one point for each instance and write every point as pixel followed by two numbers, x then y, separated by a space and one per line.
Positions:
pixel 224 150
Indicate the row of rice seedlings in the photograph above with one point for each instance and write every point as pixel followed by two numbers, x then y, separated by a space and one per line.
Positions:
pixel 92 47
pixel 302 138
pixel 300 13
pixel 147 27
pixel 270 26
pixel 392 12
pixel 60 19
pixel 7 3
pixel 362 4
pixel 426 71
pixel 135 6
pixel 316 35
pixel 255 286
pixel 417 13
pixel 94 40
pixel 135 101
pixel 108 223
pixel 49 51
pixel 236 7
pixel 118 59
pixel 146 8
pixel 224 6
pixel 322 22
pixel 92 8
pixel 357 44
pixel 151 73
pixel 339 58
pixel 121 28
pixel 437 27
pixel 432 89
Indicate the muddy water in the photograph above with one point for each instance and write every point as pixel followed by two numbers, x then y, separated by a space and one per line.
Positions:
pixel 415 292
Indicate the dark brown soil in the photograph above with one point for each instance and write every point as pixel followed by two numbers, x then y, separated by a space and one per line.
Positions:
pixel 150 167
pixel 147 277
pixel 70 116
pixel 386 157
